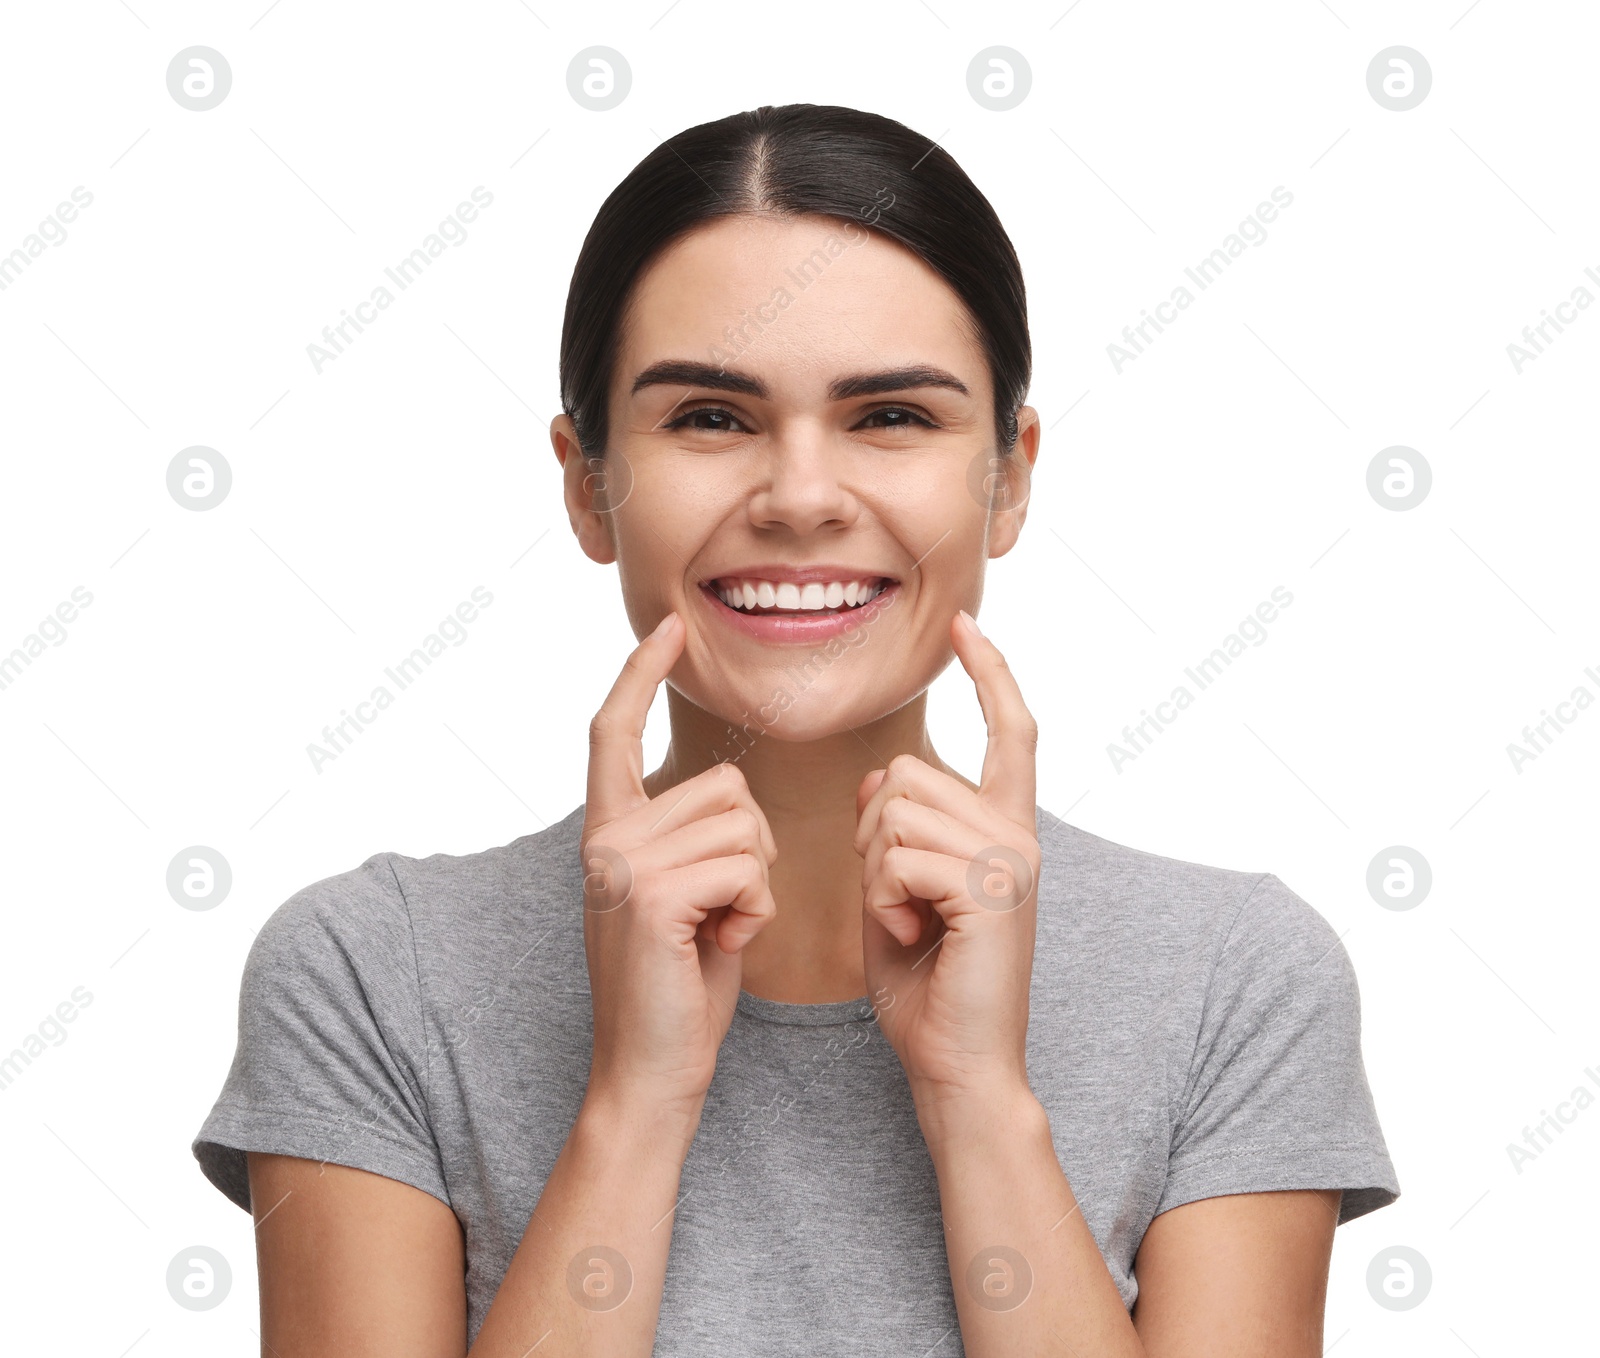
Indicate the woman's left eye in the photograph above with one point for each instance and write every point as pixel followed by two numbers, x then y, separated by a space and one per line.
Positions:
pixel 901 410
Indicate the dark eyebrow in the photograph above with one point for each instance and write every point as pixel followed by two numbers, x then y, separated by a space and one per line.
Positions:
pixel 894 379
pixel 688 373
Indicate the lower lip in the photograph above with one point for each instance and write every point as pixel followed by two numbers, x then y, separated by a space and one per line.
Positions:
pixel 805 627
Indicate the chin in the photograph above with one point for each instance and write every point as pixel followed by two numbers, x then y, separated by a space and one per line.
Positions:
pixel 789 705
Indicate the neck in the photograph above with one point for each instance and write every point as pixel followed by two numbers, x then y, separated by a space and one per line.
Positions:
pixel 811 952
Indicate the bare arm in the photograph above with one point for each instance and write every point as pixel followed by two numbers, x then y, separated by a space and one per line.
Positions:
pixel 1239 1276
pixel 350 1262
pixel 587 1278
pixel 1026 1272
pixel 356 1265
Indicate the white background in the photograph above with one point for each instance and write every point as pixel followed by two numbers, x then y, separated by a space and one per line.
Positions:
pixel 1169 500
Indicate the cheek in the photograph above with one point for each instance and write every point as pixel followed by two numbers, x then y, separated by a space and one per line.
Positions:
pixel 682 492
pixel 662 519
pixel 946 533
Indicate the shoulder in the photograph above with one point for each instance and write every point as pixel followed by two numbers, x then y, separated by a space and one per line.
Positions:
pixel 1156 894
pixel 351 912
pixel 1223 936
pixel 399 921
pixel 534 864
pixel 390 893
pixel 1226 1003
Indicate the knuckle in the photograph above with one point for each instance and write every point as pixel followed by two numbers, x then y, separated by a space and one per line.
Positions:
pixel 902 766
pixel 895 815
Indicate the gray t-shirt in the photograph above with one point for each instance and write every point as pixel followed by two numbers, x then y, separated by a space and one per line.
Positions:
pixel 1193 1031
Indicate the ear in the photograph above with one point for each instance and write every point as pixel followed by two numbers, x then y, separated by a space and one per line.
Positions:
pixel 1011 506
pixel 583 489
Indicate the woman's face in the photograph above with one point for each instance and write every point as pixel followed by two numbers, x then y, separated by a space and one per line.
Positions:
pixel 798 401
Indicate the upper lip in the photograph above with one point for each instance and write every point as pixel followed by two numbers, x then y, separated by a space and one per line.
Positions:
pixel 801 575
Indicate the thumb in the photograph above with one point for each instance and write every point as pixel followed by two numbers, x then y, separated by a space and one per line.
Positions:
pixel 869 785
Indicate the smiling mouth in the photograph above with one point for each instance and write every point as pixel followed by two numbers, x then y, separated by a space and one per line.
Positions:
pixel 761 598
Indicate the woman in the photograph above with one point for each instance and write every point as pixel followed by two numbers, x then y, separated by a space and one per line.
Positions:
pixel 845 1052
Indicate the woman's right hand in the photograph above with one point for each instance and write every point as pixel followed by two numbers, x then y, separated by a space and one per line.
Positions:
pixel 674 887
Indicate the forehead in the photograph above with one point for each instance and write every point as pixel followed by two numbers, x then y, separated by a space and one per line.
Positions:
pixel 797 299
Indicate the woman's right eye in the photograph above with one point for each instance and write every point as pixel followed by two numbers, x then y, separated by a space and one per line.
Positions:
pixel 717 412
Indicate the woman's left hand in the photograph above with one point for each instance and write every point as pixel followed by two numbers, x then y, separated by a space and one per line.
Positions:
pixel 950 900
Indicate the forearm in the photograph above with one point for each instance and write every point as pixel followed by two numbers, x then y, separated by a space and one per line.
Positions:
pixel 588 1274
pixel 1013 1230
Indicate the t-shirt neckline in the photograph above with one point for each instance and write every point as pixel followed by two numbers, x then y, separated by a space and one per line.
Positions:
pixel 779 1011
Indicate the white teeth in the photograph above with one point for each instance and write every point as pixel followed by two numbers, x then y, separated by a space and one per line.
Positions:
pixel 814 596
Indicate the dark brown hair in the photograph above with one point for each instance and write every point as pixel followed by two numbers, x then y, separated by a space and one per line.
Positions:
pixel 795 159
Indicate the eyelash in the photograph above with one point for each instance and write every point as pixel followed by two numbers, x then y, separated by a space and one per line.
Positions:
pixel 696 410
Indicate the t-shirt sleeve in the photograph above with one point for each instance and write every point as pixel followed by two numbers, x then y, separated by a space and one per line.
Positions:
pixel 331 1061
pixel 1277 1095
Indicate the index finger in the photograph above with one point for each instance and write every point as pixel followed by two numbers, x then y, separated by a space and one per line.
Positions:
pixel 1008 780
pixel 616 734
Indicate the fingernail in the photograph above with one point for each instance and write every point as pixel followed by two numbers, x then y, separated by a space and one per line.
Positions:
pixel 662 625
pixel 970 622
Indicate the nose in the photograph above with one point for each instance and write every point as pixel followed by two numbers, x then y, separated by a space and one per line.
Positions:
pixel 802 486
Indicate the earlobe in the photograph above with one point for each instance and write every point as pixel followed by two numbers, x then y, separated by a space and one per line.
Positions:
pixel 591 527
pixel 1007 529
pixel 597 543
